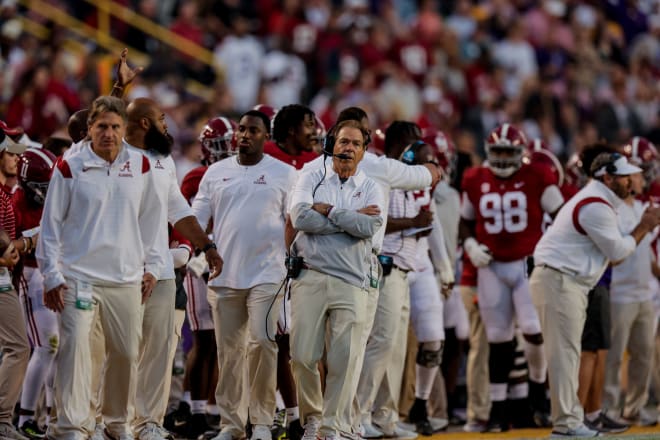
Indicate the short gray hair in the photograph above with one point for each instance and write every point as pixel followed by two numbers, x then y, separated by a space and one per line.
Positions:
pixel 105 104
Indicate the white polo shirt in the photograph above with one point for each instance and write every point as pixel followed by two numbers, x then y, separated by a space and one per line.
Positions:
pixel 248 205
pixel 587 255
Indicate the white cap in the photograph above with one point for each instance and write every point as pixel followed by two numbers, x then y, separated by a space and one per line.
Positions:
pixel 620 167
pixel 8 144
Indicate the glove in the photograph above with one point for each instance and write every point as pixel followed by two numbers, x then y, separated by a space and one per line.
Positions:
pixel 198 265
pixel 479 254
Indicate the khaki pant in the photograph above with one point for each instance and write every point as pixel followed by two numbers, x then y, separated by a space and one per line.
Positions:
pixel 478 382
pixel 244 321
pixel 174 390
pixel 386 404
pixel 407 396
pixel 118 309
pixel 561 303
pixel 321 303
pixel 633 328
pixel 97 347
pixel 655 379
pixel 154 364
pixel 15 350
pixel 394 294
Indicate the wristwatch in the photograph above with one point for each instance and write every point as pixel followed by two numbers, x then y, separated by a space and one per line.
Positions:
pixel 208 246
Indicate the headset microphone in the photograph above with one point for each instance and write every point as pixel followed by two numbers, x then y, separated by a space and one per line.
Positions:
pixel 342 156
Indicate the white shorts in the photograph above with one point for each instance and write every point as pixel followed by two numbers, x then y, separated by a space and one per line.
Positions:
pixel 503 291
pixel 426 309
pixel 455 314
pixel 198 308
pixel 42 325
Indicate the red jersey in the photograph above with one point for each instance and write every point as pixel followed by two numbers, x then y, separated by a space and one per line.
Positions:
pixel 7 213
pixel 190 183
pixel 508 212
pixel 469 273
pixel 28 216
pixel 297 161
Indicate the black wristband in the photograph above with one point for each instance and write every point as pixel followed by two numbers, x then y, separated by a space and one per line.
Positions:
pixel 208 246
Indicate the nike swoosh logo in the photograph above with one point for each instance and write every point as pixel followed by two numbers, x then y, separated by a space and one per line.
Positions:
pixel 179 423
pixel 518 185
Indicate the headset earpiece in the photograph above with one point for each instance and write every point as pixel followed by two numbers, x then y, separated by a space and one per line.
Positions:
pixel 329 142
pixel 611 167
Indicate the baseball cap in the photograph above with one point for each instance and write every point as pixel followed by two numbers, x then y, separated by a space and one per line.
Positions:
pixel 617 165
pixel 7 143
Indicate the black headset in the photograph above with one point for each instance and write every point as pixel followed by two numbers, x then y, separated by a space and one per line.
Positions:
pixel 610 167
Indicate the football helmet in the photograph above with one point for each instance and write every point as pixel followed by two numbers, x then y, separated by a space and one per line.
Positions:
pixel 377 144
pixel 641 152
pixel 540 155
pixel 217 139
pixel 443 147
pixel 34 170
pixel 505 146
pixel 268 111
pixel 320 131
pixel 574 174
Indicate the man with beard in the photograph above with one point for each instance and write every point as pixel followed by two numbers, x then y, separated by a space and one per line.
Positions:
pixel 146 132
pixel 570 258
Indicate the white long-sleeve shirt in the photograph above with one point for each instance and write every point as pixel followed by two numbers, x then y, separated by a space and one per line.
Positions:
pixel 98 221
pixel 172 206
pixel 389 174
pixel 340 244
pixel 248 205
pixel 585 256
pixel 631 279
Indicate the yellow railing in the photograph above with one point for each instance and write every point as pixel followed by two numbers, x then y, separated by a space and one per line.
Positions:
pixel 103 38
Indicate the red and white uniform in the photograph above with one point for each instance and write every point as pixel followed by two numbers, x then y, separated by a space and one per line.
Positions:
pixel 42 322
pixel 508 215
pixel 198 308
pixel 296 161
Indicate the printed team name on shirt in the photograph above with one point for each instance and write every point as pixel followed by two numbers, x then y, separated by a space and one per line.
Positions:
pixel 125 170
pixel 357 195
pixel 261 180
pixel 159 165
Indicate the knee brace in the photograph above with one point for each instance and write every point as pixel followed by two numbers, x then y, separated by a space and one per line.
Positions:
pixel 428 355
pixel 500 361
pixel 535 339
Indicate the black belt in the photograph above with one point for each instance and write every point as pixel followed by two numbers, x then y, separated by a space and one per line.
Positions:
pixel 562 271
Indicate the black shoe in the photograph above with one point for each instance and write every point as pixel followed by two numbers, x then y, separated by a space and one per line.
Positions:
pixel 278 428
pixel 419 417
pixel 542 419
pixel 604 423
pixel 177 421
pixel 31 429
pixel 498 420
pixel 295 430
pixel 196 426
pixel 213 420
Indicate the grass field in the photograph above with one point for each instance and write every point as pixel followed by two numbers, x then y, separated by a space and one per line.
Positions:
pixel 634 433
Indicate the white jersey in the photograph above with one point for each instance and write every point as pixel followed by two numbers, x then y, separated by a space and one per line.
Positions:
pixel 240 58
pixel 402 246
pixel 448 206
pixel 172 206
pixel 248 205
pixel 631 279
pixel 388 174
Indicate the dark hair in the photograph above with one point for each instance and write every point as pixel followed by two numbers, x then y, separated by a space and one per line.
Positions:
pixel 400 134
pixel 288 117
pixel 352 114
pixel 260 115
pixel 590 152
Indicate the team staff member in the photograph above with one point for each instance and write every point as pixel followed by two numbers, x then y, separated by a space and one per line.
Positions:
pixel 246 195
pixel 97 244
pixel 570 258
pixel 146 132
pixel 337 215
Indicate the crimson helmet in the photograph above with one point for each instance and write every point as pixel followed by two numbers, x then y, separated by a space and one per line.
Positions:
pixel 574 174
pixel 547 159
pixel 443 147
pixel 34 170
pixel 320 131
pixel 503 138
pixel 641 152
pixel 270 112
pixel 217 139
pixel 537 145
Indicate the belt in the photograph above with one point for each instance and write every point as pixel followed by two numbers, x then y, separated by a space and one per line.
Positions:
pixel 562 271
pixel 394 266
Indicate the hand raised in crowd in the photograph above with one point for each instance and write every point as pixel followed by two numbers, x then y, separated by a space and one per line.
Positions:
pixel 148 284
pixel 126 75
pixel 215 263
pixel 372 210
pixel 54 298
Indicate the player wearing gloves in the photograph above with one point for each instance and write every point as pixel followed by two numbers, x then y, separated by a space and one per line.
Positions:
pixel 501 216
